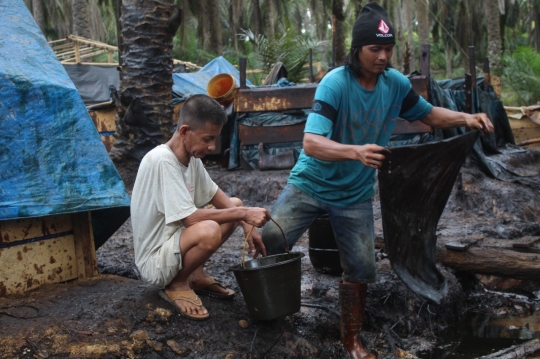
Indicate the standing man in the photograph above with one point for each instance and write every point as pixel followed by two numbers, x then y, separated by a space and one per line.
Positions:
pixel 173 234
pixel 354 114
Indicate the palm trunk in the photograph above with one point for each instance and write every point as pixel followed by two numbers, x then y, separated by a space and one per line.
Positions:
pixel 494 44
pixel 80 13
pixel 39 14
pixel 339 33
pixel 410 38
pixel 422 16
pixel 145 111
pixel 215 27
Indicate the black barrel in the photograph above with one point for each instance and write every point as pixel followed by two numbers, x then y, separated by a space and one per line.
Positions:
pixel 323 252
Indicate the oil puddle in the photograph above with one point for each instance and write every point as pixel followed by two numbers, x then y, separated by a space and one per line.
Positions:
pixel 480 335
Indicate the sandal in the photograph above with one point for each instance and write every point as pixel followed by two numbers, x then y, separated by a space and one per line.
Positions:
pixel 187 296
pixel 204 287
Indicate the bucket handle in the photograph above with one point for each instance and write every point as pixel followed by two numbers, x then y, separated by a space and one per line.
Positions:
pixel 249 233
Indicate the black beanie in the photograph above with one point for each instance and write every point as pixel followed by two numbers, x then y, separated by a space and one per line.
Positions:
pixel 372 27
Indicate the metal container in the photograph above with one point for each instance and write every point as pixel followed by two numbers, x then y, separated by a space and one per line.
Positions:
pixel 323 252
pixel 271 285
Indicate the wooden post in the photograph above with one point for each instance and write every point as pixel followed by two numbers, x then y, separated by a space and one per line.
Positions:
pixel 425 60
pixel 110 59
pixel 77 53
pixel 84 244
pixel 310 65
pixel 242 64
pixel 487 75
pixel 468 93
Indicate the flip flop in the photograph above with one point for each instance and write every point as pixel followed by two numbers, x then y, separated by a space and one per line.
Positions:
pixel 204 287
pixel 187 296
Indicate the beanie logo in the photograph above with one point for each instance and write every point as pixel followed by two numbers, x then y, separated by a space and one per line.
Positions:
pixel 383 27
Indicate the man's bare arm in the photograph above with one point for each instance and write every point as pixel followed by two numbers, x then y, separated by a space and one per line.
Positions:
pixel 226 212
pixel 440 117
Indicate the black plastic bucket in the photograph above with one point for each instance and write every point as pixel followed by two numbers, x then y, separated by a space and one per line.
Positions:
pixel 271 285
pixel 323 252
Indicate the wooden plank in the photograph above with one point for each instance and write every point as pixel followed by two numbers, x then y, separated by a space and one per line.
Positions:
pixel 253 135
pixel 84 245
pixel 420 84
pixel 36 251
pixel 275 99
pixel 524 129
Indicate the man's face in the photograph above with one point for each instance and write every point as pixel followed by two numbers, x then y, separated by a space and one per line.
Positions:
pixel 201 142
pixel 375 58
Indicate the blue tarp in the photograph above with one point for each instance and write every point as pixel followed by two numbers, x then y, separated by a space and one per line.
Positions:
pixel 187 84
pixel 52 160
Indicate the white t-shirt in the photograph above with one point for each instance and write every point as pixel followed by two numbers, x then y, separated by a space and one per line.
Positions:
pixel 165 192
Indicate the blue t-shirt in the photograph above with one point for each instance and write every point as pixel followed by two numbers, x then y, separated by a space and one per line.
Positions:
pixel 350 114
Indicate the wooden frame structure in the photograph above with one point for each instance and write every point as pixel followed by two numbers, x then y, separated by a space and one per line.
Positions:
pixel 42 250
pixel 73 49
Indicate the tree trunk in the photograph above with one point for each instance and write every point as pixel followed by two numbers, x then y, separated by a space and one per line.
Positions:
pixel 202 29
pixel 256 18
pixel 339 34
pixel 271 12
pixel 409 4
pixel 422 16
pixel 215 27
pixel 494 44
pixel 144 117
pixel 39 14
pixel 79 9
pixel 448 53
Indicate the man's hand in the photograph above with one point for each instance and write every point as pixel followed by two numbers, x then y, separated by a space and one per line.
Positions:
pixel 480 121
pixel 256 216
pixel 370 155
pixel 255 242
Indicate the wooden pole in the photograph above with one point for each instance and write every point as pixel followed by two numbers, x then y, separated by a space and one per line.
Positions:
pixel 242 64
pixel 310 65
pixel 425 61
pixel 487 75
pixel 472 70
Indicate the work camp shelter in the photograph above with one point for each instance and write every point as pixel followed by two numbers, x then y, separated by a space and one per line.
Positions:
pixel 60 194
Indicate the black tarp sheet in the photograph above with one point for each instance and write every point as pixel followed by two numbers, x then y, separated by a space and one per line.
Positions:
pixel 93 81
pixel 415 183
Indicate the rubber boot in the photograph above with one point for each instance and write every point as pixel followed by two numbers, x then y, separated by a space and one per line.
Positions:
pixel 352 302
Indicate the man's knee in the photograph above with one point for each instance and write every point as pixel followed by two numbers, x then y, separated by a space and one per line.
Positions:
pixel 237 201
pixel 209 233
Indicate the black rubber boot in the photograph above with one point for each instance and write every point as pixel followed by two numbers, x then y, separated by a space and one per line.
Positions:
pixel 352 302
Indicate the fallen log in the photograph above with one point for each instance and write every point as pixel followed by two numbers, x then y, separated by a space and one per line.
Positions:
pixel 502 258
pixel 517 351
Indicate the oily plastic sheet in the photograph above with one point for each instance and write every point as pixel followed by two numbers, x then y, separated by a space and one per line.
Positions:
pixel 414 184
pixel 52 160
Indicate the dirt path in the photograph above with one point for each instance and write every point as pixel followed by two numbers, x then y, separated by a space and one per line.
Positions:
pixel 115 316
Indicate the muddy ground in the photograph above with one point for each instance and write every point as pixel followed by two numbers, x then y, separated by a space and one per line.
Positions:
pixel 115 315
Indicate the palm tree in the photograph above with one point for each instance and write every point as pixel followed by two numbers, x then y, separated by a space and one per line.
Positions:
pixel 422 16
pixel 80 13
pixel 409 6
pixel 338 18
pixel 144 110
pixel 494 44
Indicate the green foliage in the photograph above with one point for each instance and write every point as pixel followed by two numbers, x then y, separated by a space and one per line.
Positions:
pixel 521 76
pixel 289 48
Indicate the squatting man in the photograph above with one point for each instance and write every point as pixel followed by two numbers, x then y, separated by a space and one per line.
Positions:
pixel 174 233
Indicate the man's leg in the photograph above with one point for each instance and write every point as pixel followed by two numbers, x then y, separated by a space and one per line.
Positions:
pixel 199 276
pixel 353 229
pixel 294 211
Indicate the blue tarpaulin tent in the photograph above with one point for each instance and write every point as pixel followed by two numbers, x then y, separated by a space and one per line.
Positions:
pixel 52 160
